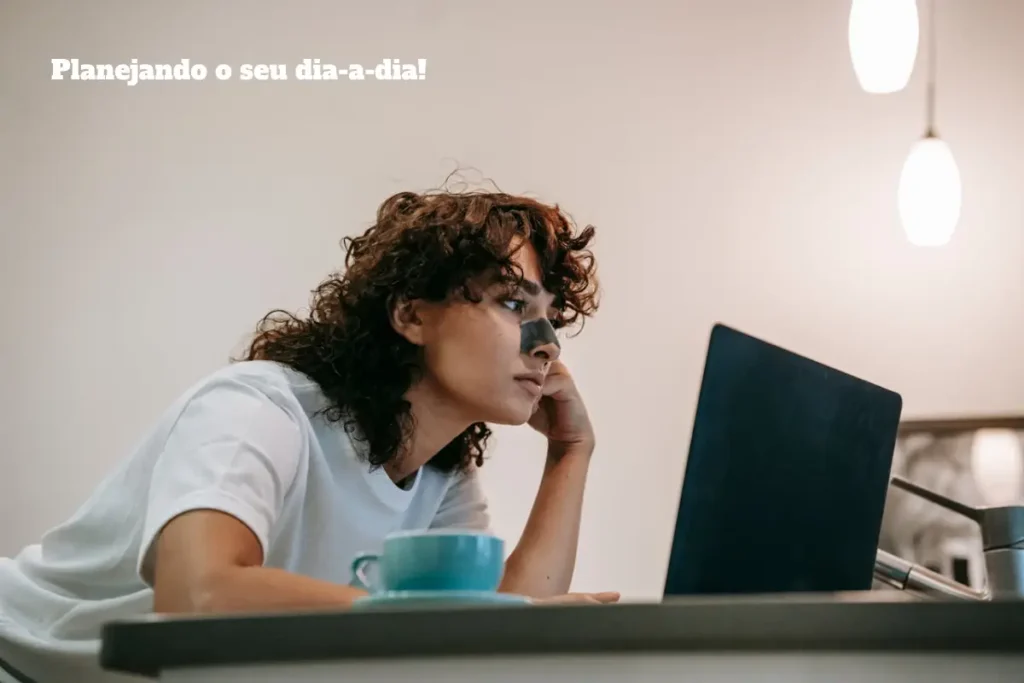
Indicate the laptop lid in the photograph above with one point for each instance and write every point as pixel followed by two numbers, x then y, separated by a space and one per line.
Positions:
pixel 786 479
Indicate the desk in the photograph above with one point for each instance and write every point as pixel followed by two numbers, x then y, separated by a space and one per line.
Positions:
pixel 862 637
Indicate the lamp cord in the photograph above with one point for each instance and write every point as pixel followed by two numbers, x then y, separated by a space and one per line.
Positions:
pixel 930 101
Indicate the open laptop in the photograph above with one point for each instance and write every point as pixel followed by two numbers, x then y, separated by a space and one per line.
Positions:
pixel 786 479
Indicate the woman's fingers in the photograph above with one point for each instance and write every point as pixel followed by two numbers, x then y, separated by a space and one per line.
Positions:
pixel 602 598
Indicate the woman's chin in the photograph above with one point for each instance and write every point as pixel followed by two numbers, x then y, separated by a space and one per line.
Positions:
pixel 513 413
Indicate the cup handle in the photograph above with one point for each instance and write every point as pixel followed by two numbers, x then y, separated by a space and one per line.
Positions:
pixel 359 564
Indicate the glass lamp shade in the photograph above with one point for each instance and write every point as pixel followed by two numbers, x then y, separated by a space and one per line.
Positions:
pixel 930 193
pixel 884 37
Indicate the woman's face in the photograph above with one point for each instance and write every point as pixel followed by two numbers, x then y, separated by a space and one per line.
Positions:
pixel 488 360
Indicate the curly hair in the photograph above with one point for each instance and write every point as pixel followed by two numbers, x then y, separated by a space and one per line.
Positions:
pixel 422 246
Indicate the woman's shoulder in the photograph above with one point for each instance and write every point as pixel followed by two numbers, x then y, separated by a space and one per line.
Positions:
pixel 263 371
pixel 271 380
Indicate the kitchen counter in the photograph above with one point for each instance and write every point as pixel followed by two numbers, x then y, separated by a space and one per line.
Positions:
pixel 867 636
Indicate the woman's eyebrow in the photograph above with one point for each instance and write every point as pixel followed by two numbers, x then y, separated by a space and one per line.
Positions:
pixel 530 287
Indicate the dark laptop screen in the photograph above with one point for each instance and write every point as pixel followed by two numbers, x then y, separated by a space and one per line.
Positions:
pixel 787 474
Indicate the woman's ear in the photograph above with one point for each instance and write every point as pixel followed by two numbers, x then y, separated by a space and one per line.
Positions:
pixel 407 319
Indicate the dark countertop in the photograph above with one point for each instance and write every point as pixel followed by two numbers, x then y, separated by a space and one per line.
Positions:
pixel 872 621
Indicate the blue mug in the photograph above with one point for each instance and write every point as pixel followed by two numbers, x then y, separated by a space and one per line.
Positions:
pixel 434 560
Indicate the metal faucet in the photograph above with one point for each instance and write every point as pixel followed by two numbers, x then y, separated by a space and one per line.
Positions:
pixel 1002 538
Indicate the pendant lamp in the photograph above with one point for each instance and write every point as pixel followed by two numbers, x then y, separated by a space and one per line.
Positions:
pixel 930 190
pixel 883 37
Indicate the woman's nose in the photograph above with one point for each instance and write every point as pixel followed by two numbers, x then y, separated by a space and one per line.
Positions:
pixel 537 339
pixel 548 351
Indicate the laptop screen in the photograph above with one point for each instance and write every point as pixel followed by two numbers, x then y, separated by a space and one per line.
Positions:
pixel 787 474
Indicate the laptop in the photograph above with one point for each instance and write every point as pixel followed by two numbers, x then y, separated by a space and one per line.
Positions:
pixel 786 479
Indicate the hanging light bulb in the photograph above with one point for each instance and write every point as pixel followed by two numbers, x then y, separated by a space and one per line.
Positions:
pixel 883 37
pixel 930 192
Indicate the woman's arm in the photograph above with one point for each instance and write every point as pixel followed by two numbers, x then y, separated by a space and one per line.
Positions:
pixel 542 563
pixel 209 562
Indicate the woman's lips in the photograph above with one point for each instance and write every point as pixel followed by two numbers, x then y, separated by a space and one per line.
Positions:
pixel 531 385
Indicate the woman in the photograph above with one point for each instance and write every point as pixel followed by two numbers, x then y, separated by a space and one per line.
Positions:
pixel 257 487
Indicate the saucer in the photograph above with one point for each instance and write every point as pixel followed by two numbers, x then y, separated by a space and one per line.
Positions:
pixel 438 599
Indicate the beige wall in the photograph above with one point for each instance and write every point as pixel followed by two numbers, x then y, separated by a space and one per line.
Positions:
pixel 732 166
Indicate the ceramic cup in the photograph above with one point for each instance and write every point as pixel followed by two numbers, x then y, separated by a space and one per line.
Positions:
pixel 433 560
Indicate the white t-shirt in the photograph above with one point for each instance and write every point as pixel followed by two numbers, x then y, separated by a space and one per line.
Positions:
pixel 245 441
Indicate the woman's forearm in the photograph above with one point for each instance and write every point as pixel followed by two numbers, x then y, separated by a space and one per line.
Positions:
pixel 207 561
pixel 255 589
pixel 542 563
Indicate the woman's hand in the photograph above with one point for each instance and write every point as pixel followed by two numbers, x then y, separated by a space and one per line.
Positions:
pixel 604 598
pixel 561 415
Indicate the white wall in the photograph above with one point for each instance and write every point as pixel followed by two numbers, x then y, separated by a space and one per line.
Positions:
pixel 732 166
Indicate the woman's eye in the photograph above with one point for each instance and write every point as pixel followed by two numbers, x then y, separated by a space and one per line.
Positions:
pixel 514 305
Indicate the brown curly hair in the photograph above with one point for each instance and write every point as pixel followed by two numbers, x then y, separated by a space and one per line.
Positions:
pixel 422 246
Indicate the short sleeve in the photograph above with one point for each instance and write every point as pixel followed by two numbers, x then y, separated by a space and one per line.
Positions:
pixel 232 449
pixel 464 505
